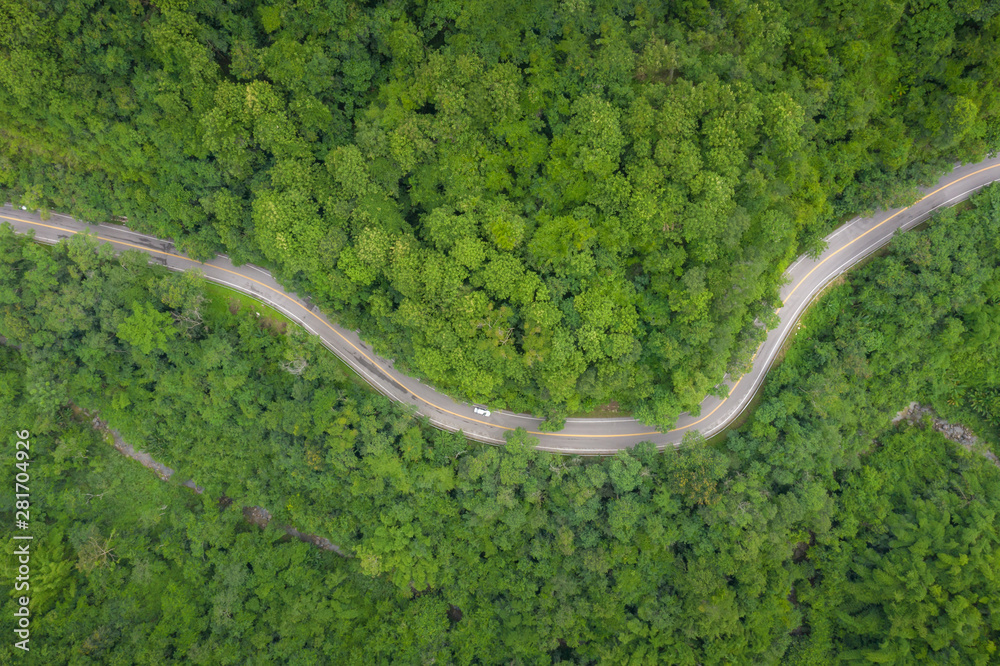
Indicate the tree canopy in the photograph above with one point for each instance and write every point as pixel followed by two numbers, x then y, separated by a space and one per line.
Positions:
pixel 546 206
pixel 820 532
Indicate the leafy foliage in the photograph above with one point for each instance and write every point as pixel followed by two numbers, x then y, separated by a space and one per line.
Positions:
pixel 819 533
pixel 544 205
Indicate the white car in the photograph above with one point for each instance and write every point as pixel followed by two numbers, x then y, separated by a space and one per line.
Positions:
pixel 482 411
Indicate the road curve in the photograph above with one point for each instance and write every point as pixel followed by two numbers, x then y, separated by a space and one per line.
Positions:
pixel 848 245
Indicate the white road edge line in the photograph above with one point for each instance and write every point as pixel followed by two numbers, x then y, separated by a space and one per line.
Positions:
pixel 758 375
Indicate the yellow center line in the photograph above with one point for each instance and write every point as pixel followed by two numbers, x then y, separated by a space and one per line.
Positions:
pixel 886 220
pixel 281 293
pixel 806 277
pixel 461 416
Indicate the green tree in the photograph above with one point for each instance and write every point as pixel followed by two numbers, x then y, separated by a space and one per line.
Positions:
pixel 147 329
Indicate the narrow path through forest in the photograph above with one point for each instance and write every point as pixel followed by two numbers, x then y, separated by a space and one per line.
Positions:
pixel 256 515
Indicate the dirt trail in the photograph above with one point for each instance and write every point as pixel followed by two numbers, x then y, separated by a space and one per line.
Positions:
pixel 252 514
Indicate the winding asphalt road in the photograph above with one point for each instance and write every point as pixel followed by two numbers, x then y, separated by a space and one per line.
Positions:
pixel 848 245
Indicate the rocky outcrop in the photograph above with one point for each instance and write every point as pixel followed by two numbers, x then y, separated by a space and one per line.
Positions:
pixel 915 413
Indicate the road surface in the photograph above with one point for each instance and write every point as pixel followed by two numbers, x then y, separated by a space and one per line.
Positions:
pixel 848 245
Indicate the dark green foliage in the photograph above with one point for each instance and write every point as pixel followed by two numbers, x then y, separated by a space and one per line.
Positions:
pixel 818 533
pixel 910 576
pixel 127 569
pixel 896 569
pixel 542 205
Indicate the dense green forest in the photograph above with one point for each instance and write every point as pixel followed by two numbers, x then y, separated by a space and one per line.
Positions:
pixel 819 533
pixel 543 205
